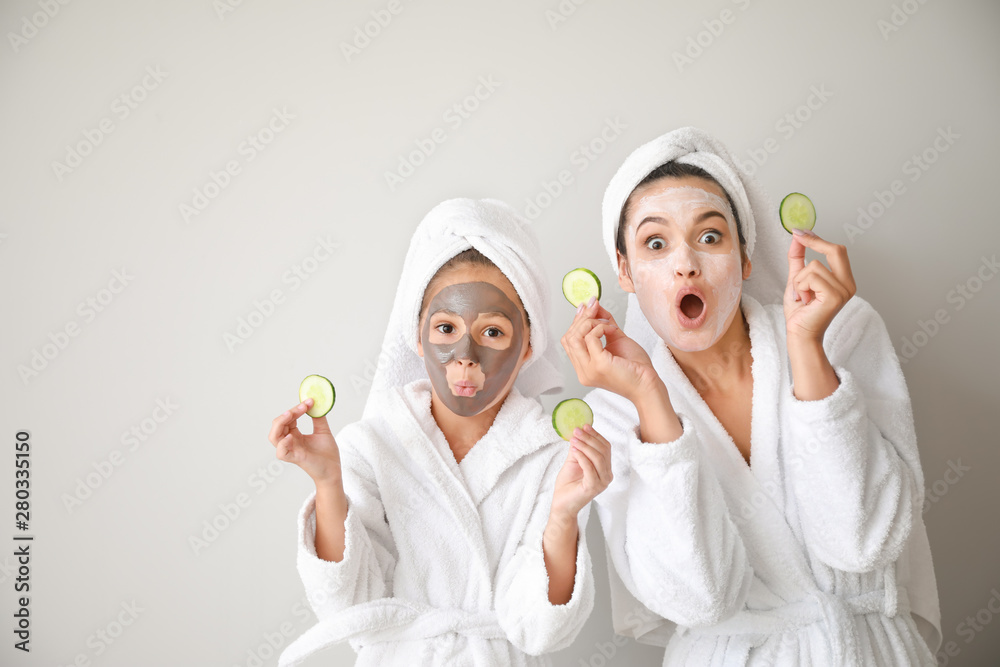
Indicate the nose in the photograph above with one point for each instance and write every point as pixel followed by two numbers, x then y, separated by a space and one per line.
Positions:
pixel 686 262
pixel 465 351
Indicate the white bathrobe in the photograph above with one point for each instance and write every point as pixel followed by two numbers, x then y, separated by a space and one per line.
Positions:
pixel 443 562
pixel 815 554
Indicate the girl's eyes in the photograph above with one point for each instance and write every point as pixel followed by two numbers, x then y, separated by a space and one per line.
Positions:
pixel 493 332
pixel 445 328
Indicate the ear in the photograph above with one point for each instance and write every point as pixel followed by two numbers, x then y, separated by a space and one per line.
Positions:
pixel 747 268
pixel 624 275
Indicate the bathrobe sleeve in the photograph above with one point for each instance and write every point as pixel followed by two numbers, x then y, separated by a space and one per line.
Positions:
pixel 668 530
pixel 532 623
pixel 365 572
pixel 852 456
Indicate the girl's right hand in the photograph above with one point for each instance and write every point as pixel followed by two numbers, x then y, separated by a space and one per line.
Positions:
pixel 620 365
pixel 317 453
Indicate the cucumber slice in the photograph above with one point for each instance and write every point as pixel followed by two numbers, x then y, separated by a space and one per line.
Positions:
pixel 321 391
pixel 579 285
pixel 570 414
pixel 797 212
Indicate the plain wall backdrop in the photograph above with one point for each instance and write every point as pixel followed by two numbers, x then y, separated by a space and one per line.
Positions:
pixel 197 209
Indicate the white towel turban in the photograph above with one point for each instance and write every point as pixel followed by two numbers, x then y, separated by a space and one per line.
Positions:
pixel 497 231
pixel 766 240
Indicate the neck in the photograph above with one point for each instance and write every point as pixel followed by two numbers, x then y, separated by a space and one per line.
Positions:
pixel 463 432
pixel 715 369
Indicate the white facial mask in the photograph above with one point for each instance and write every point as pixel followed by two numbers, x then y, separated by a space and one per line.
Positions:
pixel 685 261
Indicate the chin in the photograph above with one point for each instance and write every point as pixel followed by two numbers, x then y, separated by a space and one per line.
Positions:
pixel 689 341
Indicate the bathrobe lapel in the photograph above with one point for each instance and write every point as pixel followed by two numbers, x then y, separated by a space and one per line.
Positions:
pixel 517 431
pixel 754 493
pixel 411 421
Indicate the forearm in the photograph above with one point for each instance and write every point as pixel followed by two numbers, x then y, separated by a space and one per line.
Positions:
pixel 682 550
pixel 559 547
pixel 657 420
pixel 331 515
pixel 856 491
pixel 813 376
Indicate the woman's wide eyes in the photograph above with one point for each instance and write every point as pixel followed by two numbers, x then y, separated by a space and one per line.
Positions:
pixel 655 243
pixel 714 235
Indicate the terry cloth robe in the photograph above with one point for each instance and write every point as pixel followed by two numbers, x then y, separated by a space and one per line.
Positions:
pixel 811 555
pixel 443 562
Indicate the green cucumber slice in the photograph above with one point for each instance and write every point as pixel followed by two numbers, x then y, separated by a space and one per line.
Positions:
pixel 797 212
pixel 570 414
pixel 321 391
pixel 579 285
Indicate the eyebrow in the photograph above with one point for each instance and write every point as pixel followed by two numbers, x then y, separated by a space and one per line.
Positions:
pixel 700 219
pixel 493 313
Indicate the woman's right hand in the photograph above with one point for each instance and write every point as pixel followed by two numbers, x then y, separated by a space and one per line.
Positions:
pixel 317 453
pixel 620 365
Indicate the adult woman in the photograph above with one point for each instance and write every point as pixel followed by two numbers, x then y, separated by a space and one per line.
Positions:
pixel 766 502
pixel 446 526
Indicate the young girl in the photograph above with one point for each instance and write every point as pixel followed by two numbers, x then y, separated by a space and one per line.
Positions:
pixel 766 505
pixel 447 526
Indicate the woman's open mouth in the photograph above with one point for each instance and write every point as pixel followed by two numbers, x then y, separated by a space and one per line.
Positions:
pixel 691 307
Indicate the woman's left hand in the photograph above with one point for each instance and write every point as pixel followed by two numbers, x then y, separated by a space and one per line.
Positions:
pixel 814 293
pixel 586 472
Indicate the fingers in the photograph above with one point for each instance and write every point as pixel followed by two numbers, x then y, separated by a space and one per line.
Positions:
pixel 285 422
pixel 595 348
pixel 796 257
pixel 818 279
pixel 581 342
pixel 835 254
pixel 597 452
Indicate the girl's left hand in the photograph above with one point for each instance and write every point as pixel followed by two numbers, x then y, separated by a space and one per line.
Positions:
pixel 586 472
pixel 815 294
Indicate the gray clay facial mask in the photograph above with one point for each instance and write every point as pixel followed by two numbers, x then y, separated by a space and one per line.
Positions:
pixel 472 307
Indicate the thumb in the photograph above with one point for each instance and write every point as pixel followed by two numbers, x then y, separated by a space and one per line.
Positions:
pixel 320 426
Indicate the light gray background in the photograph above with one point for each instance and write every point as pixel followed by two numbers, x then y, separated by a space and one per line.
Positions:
pixel 162 336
